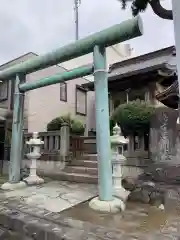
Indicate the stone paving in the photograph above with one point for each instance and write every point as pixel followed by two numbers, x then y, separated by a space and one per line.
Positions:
pixel 26 215
pixel 54 196
pixel 40 224
pixel 139 221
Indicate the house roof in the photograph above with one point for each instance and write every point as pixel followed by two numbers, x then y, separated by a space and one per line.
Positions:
pixel 152 58
pixel 18 59
pixel 121 73
pixel 143 64
pixel 115 53
pixel 25 57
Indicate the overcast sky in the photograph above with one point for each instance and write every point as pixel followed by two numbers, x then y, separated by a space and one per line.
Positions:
pixel 43 25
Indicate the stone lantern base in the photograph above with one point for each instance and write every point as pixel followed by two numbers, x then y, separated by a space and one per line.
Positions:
pixel 33 180
pixel 122 193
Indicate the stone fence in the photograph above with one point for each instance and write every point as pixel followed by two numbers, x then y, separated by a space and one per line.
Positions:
pixel 62 144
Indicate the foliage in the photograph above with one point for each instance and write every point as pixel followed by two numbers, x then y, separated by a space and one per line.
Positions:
pixel 133 117
pixel 112 124
pixel 138 6
pixel 76 126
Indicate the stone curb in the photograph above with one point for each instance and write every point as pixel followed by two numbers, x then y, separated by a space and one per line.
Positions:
pixel 52 227
pixel 21 225
pixel 34 228
pixel 19 221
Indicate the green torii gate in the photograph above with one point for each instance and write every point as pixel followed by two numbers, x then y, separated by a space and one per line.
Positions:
pixel 97 44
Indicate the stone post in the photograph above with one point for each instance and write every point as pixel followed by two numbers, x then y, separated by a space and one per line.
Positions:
pixel 65 141
pixel 35 146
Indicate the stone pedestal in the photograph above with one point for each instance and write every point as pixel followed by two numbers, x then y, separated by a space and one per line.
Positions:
pixel 113 206
pixel 13 186
pixel 35 145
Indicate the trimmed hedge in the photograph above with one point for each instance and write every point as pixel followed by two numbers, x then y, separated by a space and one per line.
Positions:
pixel 133 117
pixel 76 126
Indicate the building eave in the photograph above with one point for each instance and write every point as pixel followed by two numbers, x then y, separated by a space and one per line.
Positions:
pixel 142 64
pixel 170 96
pixel 127 77
pixel 148 56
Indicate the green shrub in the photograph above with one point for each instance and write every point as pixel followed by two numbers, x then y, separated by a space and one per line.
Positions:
pixel 133 117
pixel 54 124
pixel 112 124
pixel 76 126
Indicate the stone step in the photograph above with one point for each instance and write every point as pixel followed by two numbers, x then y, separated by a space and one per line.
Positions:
pixel 90 157
pixel 80 169
pixel 84 163
pixel 72 177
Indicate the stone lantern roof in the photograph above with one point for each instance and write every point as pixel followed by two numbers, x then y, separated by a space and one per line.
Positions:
pixel 117 138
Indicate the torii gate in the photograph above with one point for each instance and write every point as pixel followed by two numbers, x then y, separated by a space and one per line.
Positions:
pixel 97 44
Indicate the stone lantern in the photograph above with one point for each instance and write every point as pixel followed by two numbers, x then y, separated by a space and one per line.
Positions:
pixel 117 143
pixel 35 152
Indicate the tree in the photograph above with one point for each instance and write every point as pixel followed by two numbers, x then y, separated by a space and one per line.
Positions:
pixel 133 117
pixel 141 5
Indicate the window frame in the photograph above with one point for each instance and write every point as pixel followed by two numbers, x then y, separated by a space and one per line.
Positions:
pixel 83 90
pixel 61 98
pixel 5 98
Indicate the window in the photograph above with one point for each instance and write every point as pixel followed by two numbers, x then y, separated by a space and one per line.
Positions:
pixel 119 98
pixel 4 90
pixel 116 103
pixel 81 101
pixel 63 92
pixel 136 142
pixel 137 95
pixel 146 142
pixel 12 94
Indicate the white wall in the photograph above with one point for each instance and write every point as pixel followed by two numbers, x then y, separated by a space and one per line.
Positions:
pixel 44 103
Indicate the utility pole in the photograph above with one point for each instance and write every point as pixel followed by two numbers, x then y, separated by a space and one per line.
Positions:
pixel 76 6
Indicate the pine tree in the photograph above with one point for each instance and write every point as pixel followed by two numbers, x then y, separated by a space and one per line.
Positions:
pixel 138 6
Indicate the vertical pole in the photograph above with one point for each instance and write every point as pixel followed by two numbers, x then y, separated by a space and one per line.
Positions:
pixel 76 5
pixel 127 97
pixel 102 125
pixel 17 132
pixel 176 19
